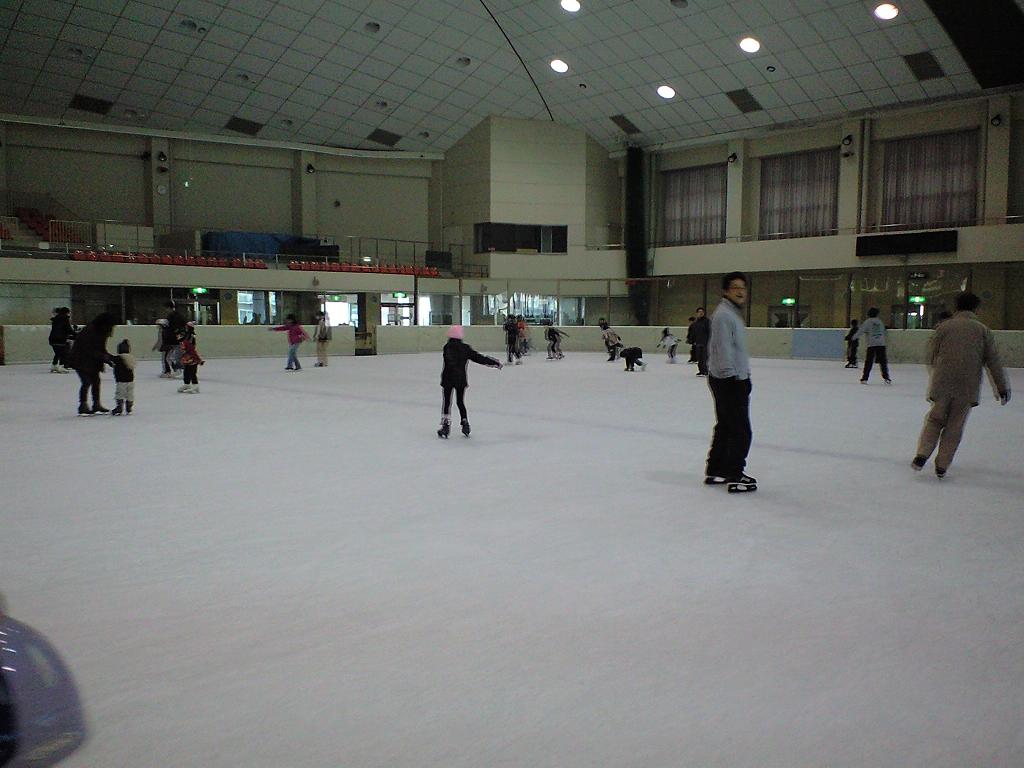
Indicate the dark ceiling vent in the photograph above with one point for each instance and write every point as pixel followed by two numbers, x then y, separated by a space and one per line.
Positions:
pixel 387 138
pixel 924 66
pixel 625 124
pixel 239 125
pixel 744 100
pixel 90 104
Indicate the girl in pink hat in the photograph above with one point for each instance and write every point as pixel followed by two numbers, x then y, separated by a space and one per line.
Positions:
pixel 453 377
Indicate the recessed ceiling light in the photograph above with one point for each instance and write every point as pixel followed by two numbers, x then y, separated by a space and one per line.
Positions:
pixel 189 24
pixel 559 66
pixel 424 134
pixel 464 61
pixel 750 45
pixel 583 86
pixel 680 3
pixel 571 5
pixel 381 104
pixel 76 52
pixel 666 91
pixel 770 68
pixel 287 122
pixel 887 11
pixel 372 27
pixel 243 77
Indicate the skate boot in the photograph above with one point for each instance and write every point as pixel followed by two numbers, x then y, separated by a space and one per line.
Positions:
pixel 887 381
pixel 940 472
pixel 643 366
pixel 446 428
pixel 715 480
pixel 54 369
pixel 128 407
pixel 84 410
pixel 194 389
pixel 465 427
pixel 742 484
pixel 918 463
pixel 98 408
pixel 118 409
pixel 184 388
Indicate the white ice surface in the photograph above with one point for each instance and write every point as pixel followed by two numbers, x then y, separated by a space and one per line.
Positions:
pixel 291 570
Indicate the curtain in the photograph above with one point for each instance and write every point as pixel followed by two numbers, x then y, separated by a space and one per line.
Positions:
pixel 799 194
pixel 930 181
pixel 693 206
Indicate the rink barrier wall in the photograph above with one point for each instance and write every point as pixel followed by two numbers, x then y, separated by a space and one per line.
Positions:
pixel 28 343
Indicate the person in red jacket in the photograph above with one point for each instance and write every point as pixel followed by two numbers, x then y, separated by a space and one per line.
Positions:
pixel 190 360
pixel 296 335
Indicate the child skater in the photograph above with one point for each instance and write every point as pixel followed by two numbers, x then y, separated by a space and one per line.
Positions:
pixel 554 337
pixel 124 375
pixel 669 342
pixel 453 378
pixel 632 357
pixel 190 361
pixel 851 345
pixel 296 335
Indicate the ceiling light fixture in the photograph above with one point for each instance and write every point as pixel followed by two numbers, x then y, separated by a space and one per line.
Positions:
pixel 424 134
pixel 847 140
pixel 243 77
pixel 887 11
pixel 996 120
pixel 732 158
pixel 310 168
pixel 750 45
pixel 570 5
pixel 287 122
pixel 381 104
pixel 76 52
pixel 464 61
pixel 559 66
pixel 190 25
pixel 770 68
pixel 372 27
pixel 583 86
pixel 666 91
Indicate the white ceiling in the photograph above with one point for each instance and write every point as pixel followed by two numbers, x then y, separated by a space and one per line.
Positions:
pixel 311 72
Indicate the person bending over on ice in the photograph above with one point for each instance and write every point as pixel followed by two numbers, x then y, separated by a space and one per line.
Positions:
pixel 669 342
pixel 554 337
pixel 457 355
pixel 632 356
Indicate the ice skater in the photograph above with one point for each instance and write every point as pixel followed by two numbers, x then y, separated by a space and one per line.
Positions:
pixel 957 351
pixel 190 361
pixel 873 330
pixel 296 335
pixel 124 376
pixel 88 356
pixel 851 345
pixel 700 333
pixel 669 342
pixel 457 355
pixel 511 328
pixel 322 334
pixel 729 380
pixel 612 340
pixel 554 338
pixel 633 356
pixel 61 331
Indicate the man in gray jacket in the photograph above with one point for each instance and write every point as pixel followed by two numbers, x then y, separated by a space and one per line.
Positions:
pixel 873 330
pixel 729 380
pixel 957 351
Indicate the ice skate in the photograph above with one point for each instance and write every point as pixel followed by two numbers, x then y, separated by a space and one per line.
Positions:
pixel 128 407
pixel 167 375
pixel 118 409
pixel 183 388
pixel 465 427
pixel 84 410
pixel 918 463
pixel 643 366
pixel 98 408
pixel 887 381
pixel 850 365
pixel 519 361
pixel 940 472
pixel 194 389
pixel 446 428
pixel 742 484
pixel 863 381
pixel 715 480
pixel 54 369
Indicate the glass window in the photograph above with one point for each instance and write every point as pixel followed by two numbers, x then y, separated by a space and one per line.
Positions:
pixel 678 299
pixel 693 205
pixel 799 194
pixel 881 287
pixel 772 300
pixel 822 299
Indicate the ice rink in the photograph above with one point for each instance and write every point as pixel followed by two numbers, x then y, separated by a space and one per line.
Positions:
pixel 291 570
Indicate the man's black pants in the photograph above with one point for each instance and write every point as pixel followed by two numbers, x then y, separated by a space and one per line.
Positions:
pixel 700 353
pixel 730 442
pixel 875 353
pixel 90 381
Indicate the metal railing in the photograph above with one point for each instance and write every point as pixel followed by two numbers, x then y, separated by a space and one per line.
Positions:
pixel 71 232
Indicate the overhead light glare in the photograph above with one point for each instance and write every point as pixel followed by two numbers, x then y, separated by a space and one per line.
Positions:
pixel 559 66
pixel 750 45
pixel 887 11
pixel 570 5
pixel 666 91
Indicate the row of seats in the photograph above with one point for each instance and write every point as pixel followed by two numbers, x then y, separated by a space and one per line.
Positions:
pixel 319 266
pixel 167 260
pixel 34 220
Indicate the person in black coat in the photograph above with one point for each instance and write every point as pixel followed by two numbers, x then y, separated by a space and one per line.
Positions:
pixel 174 334
pixel 457 355
pixel 700 333
pixel 851 345
pixel 61 330
pixel 633 356
pixel 511 328
pixel 88 356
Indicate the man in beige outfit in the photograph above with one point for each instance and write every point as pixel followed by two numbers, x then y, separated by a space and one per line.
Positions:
pixel 957 351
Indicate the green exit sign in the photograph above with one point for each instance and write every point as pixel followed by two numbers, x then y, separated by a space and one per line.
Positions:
pixel 917 299
pixel 398 295
pixel 787 302
pixel 200 290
